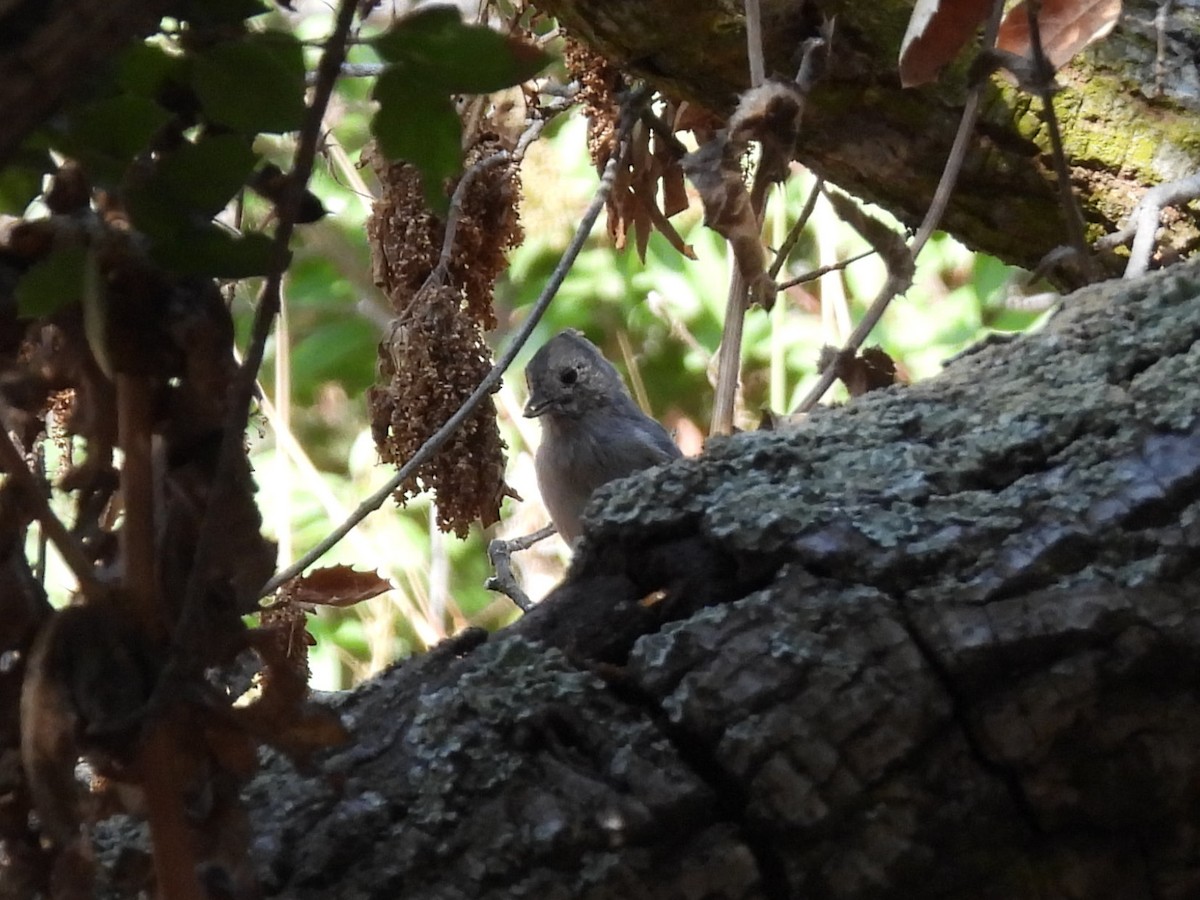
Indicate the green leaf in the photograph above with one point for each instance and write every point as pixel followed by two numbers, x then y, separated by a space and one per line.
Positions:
pixel 145 69
pixel 157 215
pixel 52 282
pixel 206 175
pixel 254 84
pixel 190 186
pixel 21 180
pixel 420 127
pixel 340 349
pixel 106 135
pixel 438 49
pixel 214 252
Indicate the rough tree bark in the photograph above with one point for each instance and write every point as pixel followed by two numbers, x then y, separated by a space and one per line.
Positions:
pixel 941 642
pixel 1124 127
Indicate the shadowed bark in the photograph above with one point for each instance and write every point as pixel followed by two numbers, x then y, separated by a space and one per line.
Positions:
pixel 941 642
pixel 1130 117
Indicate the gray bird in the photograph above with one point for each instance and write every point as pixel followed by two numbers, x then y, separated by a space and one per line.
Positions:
pixel 592 431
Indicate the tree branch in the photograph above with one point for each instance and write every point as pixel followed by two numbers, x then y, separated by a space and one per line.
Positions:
pixel 426 451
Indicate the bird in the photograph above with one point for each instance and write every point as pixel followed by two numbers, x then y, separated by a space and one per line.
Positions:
pixel 592 431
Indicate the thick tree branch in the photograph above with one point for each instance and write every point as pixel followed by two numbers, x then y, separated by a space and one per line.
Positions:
pixel 869 136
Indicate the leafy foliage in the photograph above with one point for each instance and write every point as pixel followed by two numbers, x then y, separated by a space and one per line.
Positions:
pixel 432 55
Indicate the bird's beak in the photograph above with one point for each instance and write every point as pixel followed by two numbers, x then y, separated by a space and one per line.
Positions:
pixel 535 407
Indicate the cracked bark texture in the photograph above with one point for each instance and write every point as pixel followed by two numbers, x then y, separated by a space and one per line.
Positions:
pixel 1124 127
pixel 943 642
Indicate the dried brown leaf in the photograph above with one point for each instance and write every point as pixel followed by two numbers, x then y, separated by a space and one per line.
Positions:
pixel 937 31
pixel 769 114
pixel 338 586
pixel 716 173
pixel 664 226
pixel 675 198
pixel 1065 27
pixel 869 370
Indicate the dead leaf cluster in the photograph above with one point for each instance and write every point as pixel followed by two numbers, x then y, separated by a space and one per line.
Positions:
pixel 649 188
pixel 435 354
pixel 769 115
pixel 429 365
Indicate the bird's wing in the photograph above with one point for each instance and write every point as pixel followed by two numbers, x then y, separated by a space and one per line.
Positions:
pixel 642 443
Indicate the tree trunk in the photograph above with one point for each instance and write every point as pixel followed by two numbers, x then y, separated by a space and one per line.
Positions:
pixel 1130 116
pixel 941 642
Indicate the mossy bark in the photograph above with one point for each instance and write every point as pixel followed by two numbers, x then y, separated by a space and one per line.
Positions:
pixel 942 642
pixel 1125 128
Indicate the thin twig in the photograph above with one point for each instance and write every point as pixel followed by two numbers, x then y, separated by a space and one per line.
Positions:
pixel 459 197
pixel 500 555
pixel 729 354
pixel 1161 20
pixel 754 47
pixel 242 390
pixel 354 70
pixel 174 846
pixel 824 270
pixel 12 462
pixel 662 131
pixel 793 236
pixel 933 217
pixel 489 382
pixel 138 558
pixel 1070 204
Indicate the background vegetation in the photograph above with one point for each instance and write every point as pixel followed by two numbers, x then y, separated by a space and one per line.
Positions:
pixel 659 320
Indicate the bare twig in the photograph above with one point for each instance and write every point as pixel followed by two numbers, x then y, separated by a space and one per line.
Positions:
pixel 489 382
pixel 500 555
pixel 1161 19
pixel 729 354
pixel 174 848
pixel 1070 205
pixel 824 270
pixel 1142 224
pixel 134 431
pixel 354 70
pixel 662 131
pixel 754 48
pixel 12 462
pixel 793 235
pixel 937 208
pixel 459 197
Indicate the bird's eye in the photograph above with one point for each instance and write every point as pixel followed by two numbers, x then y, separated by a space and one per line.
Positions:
pixel 568 376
